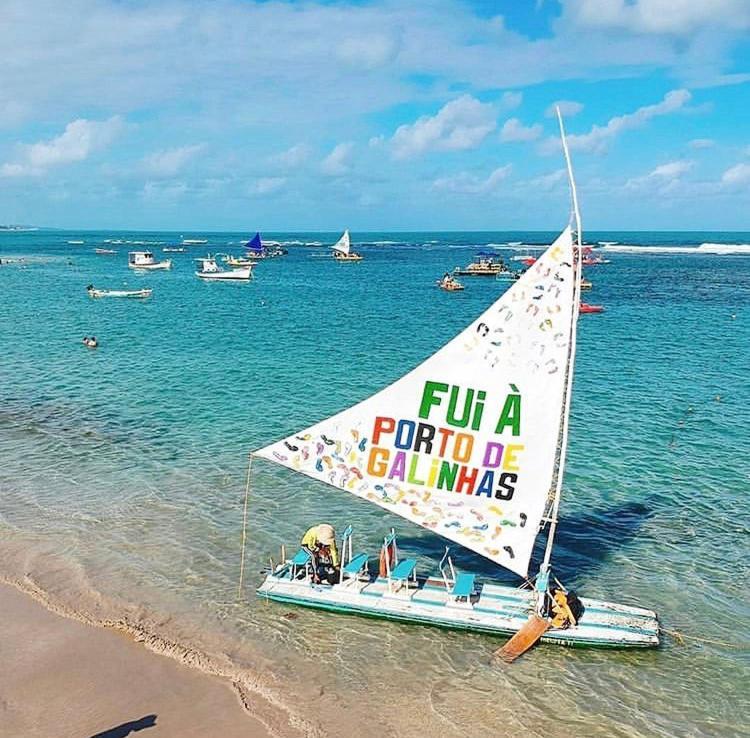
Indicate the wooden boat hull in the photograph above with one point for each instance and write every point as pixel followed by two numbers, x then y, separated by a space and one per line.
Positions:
pixel 131 294
pixel 152 267
pixel 476 272
pixel 495 610
pixel 237 275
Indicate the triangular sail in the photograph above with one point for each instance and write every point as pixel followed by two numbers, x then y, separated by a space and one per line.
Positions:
pixel 465 444
pixel 343 245
pixel 254 244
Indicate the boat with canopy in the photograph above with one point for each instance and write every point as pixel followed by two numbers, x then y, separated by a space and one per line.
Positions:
pixel 471 445
pixel 342 249
pixel 485 264
pixel 145 260
pixel 209 270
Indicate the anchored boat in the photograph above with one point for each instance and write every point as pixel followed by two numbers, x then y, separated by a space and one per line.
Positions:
pixel 342 249
pixel 136 294
pixel 209 270
pixel 471 445
pixel 237 262
pixel 485 264
pixel 146 260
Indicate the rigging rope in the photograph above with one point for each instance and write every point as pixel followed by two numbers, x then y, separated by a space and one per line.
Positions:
pixel 680 638
pixel 244 526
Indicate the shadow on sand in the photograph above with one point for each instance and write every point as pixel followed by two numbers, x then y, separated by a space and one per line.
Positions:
pixel 120 731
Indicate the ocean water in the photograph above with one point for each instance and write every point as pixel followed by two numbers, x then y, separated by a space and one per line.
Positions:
pixel 122 473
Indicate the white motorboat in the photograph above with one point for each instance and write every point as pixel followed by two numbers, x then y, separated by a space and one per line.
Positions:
pixel 209 270
pixel 174 249
pixel 136 294
pixel 146 260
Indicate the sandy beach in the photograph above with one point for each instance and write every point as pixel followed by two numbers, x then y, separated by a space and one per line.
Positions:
pixel 60 677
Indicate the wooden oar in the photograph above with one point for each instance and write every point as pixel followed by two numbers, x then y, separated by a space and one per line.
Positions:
pixel 531 631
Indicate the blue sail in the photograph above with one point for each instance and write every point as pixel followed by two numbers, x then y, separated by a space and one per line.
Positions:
pixel 254 244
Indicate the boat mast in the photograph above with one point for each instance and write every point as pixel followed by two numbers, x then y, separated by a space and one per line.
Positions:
pixel 552 516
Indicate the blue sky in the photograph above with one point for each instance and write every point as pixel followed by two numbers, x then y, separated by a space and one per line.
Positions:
pixel 380 115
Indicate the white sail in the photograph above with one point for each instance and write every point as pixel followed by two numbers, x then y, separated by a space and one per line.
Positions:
pixel 466 443
pixel 343 245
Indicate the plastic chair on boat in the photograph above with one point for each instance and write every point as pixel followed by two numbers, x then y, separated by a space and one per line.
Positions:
pixel 400 574
pixel 460 587
pixel 353 568
pixel 301 560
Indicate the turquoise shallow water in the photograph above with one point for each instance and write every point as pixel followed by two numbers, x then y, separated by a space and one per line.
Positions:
pixel 122 471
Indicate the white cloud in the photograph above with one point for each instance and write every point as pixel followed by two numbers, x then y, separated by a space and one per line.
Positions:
pixel 294 156
pixel 511 100
pixel 674 17
pixel 459 125
pixel 549 181
pixel 514 130
pixel 568 108
pixel 267 185
pixel 369 51
pixel 739 174
pixel 663 178
pixel 158 190
pixel 80 138
pixel 672 169
pixel 469 184
pixel 337 163
pixel 701 143
pixel 168 162
pixel 598 137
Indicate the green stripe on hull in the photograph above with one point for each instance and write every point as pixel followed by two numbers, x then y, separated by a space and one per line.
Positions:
pixel 436 622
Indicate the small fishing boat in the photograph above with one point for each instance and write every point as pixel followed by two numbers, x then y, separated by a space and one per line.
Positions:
pixel 237 262
pixel 342 249
pixel 485 264
pixel 135 294
pixel 586 308
pixel 470 445
pixel 586 284
pixel 105 252
pixel 174 249
pixel 449 284
pixel 194 241
pixel 210 271
pixel 145 260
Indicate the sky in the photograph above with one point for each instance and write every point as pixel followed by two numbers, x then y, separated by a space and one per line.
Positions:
pixel 378 115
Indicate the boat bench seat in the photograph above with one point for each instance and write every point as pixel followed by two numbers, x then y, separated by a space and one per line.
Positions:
pixel 463 586
pixel 404 569
pixel 356 564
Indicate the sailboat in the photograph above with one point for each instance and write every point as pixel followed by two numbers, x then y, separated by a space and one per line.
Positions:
pixel 471 445
pixel 254 247
pixel 342 249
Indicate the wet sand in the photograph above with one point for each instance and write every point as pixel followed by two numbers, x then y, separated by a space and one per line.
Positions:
pixel 65 678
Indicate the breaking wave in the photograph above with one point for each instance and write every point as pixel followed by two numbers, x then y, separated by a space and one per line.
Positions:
pixel 704 249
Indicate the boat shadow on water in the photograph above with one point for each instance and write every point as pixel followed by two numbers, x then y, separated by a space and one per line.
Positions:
pixel 583 544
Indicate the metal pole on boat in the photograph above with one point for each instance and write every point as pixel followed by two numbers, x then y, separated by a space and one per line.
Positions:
pixel 571 358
